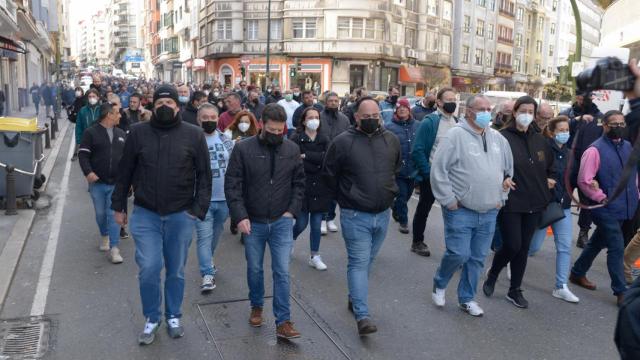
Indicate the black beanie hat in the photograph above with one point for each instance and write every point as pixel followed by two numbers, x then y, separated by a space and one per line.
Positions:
pixel 166 91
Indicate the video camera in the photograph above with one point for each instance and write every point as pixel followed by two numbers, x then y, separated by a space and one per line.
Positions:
pixel 608 74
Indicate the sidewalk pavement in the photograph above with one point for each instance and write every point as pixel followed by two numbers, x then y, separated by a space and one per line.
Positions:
pixel 14 229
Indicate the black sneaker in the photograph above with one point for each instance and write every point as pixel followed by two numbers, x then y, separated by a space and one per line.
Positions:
pixel 394 216
pixel 516 298
pixel 366 327
pixel 123 234
pixel 350 306
pixel 583 237
pixel 489 286
pixel 404 228
pixel 421 249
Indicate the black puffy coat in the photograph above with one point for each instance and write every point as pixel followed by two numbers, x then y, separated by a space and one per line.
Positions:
pixel 263 182
pixel 317 194
pixel 362 169
pixel 190 114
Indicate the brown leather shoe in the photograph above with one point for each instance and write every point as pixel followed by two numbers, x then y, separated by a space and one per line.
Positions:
pixel 287 331
pixel 620 299
pixel 582 281
pixel 255 319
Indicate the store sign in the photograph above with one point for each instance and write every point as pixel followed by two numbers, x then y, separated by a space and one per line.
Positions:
pixel 10 45
pixel 263 67
pixel 135 65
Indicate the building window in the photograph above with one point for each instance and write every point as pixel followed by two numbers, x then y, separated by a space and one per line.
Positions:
pixel 489 59
pixel 432 7
pixel 516 64
pixel 539 47
pixel 252 29
pixel 467 24
pixel 304 28
pixel 359 28
pixel 433 43
pixel 410 38
pixel 555 5
pixel 490 32
pixel 445 42
pixel 540 24
pixel 550 50
pixel 491 4
pixel 536 70
pixel 412 5
pixel 203 34
pixel 519 14
pixel 223 29
pixel 518 40
pixel 479 27
pixel 549 72
pixel 447 9
pixel 465 54
pixel 276 29
pixel 479 55
pixel 552 29
pixel 482 3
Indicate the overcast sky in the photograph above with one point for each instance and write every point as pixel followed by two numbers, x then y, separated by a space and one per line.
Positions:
pixel 81 10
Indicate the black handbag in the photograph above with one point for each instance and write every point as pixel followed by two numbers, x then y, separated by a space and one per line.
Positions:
pixel 551 214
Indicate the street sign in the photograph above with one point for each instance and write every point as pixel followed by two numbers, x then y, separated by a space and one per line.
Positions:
pixel 133 59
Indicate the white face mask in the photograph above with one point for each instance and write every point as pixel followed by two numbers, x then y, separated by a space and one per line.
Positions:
pixel 524 120
pixel 313 124
pixel 243 127
pixel 93 101
pixel 206 92
pixel 78 93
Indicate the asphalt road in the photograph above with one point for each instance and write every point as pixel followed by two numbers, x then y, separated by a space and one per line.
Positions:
pixel 95 308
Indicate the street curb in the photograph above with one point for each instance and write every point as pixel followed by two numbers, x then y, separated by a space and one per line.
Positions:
pixel 12 251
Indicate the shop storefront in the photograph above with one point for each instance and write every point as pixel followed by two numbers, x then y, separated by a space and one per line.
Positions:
pixel 470 84
pixel 411 80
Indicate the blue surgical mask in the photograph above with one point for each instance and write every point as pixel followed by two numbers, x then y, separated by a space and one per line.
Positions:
pixel 483 119
pixel 562 137
pixel 183 99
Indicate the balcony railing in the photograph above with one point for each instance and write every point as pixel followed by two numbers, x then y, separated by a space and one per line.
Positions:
pixel 507 13
pixel 505 40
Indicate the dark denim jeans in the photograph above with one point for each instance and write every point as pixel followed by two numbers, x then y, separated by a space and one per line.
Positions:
pixel 279 236
pixel 314 220
pixel 608 234
pixel 162 241
pixel 400 208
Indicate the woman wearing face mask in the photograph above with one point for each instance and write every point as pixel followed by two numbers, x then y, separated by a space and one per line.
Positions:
pixel 313 147
pixel 243 126
pixel 519 218
pixel 87 116
pixel 557 133
pixel 78 103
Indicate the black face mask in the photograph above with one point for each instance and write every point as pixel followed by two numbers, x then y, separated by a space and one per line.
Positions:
pixel 272 139
pixel 369 126
pixel 393 99
pixel 431 104
pixel 256 101
pixel 616 133
pixel 165 117
pixel 209 126
pixel 449 107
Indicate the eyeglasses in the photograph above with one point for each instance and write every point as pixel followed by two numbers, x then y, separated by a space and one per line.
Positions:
pixel 617 125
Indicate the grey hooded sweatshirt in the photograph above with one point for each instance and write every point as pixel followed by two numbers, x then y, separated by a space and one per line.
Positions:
pixel 470 168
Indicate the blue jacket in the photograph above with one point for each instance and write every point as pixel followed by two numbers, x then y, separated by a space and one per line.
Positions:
pixel 425 138
pixel 387 110
pixel 419 111
pixel 406 133
pixel 124 99
pixel 613 157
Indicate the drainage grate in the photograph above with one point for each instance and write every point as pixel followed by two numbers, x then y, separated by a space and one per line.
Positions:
pixel 24 338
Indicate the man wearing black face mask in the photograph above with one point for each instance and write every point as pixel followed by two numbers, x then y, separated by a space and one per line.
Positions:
pixel 264 187
pixel 361 167
pixel 388 106
pixel 424 107
pixel 431 130
pixel 167 163
pixel 254 105
pixel 275 96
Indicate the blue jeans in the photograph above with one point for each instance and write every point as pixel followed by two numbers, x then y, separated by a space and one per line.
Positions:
pixel 279 236
pixel 161 241
pixel 562 234
pixel 608 234
pixel 363 235
pixel 302 220
pixel 208 232
pixel 467 237
pixel 405 187
pixel 101 196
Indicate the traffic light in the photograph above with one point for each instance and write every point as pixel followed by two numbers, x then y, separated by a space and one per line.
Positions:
pixel 243 71
pixel 298 66
pixel 292 71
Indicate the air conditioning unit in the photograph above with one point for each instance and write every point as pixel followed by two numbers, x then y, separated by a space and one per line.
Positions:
pixel 411 53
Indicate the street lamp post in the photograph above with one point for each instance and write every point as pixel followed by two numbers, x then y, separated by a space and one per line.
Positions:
pixel 268 77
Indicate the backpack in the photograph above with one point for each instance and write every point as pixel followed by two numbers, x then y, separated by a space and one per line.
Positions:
pixel 627 334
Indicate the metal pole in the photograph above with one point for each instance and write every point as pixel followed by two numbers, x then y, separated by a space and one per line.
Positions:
pixel 11 191
pixel 53 129
pixel 268 73
pixel 47 137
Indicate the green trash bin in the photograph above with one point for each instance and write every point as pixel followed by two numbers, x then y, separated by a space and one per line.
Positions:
pixel 20 147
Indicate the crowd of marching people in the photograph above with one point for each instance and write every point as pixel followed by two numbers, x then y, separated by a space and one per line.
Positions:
pixel 279 162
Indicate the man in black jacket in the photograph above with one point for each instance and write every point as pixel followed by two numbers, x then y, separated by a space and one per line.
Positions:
pixel 307 100
pixel 264 186
pixel 99 153
pixel 190 112
pixel 361 167
pixel 167 163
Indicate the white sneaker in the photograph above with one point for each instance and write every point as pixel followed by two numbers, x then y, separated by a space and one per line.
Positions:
pixel 316 262
pixel 438 297
pixel 114 255
pixel 332 226
pixel 323 227
pixel 104 243
pixel 208 283
pixel 472 308
pixel 565 294
pixel 509 271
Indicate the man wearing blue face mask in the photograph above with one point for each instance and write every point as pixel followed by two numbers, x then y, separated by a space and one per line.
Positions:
pixel 470 175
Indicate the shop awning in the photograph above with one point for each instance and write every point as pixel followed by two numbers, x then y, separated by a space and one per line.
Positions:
pixel 411 74
pixel 10 45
